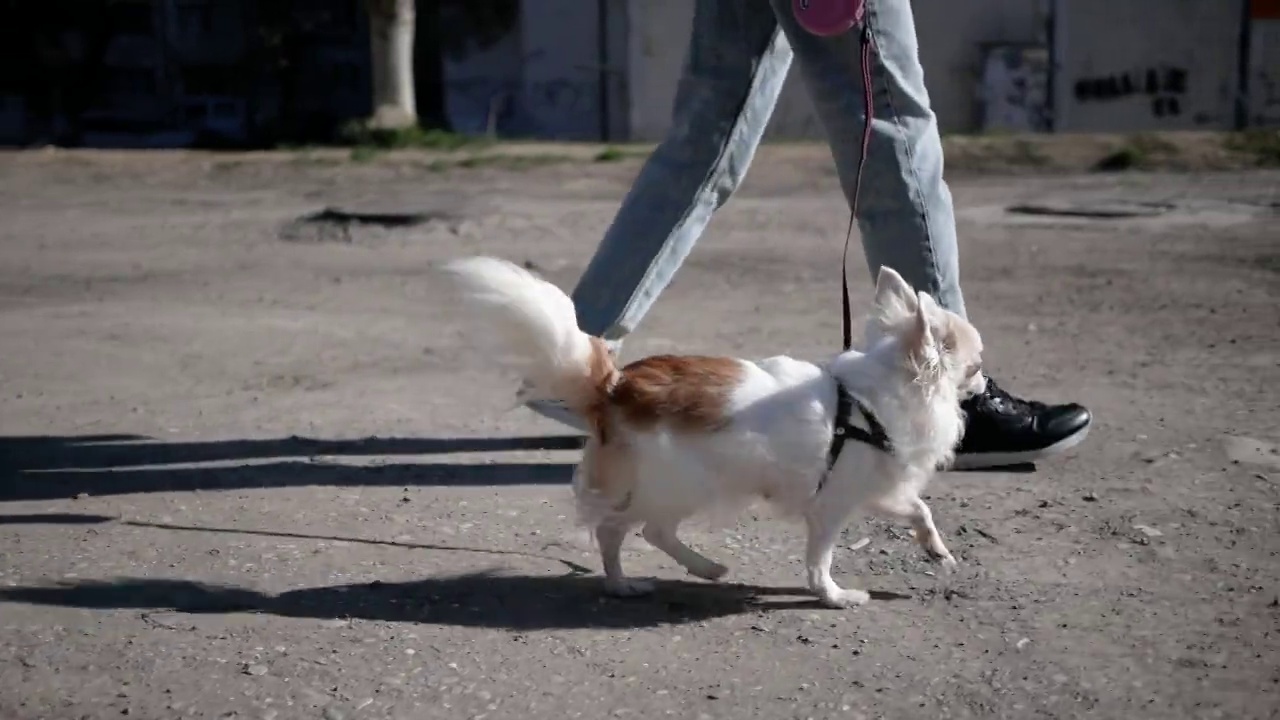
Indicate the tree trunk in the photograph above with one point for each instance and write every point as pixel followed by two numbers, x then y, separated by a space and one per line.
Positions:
pixel 391 24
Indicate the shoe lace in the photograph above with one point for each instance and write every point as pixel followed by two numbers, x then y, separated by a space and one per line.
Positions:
pixel 1002 401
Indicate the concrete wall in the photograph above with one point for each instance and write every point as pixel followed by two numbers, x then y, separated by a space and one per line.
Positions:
pixel 655 51
pixel 1014 89
pixel 542 80
pixel 1141 65
pixel 554 78
pixel 953 41
pixel 1263 102
pixel 617 49
pixel 560 88
pixel 952 36
pixel 658 36
pixel 483 88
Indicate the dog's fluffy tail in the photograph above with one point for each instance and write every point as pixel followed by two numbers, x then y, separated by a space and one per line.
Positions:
pixel 537 331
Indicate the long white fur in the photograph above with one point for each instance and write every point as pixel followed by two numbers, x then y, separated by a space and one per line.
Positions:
pixel 533 320
pixel 774 445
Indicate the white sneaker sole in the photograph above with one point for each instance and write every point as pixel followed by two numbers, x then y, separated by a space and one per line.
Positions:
pixel 984 461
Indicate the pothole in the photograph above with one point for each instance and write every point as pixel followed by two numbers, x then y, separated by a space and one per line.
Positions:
pixel 1103 210
pixel 1137 213
pixel 335 224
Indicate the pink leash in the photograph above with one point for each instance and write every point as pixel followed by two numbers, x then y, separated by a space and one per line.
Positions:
pixel 827 18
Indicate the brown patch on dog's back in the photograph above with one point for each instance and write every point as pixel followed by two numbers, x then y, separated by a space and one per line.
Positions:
pixel 690 392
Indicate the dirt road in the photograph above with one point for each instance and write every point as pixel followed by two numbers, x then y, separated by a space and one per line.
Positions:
pixel 249 470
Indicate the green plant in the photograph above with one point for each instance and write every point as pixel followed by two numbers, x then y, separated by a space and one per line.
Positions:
pixel 1138 151
pixel 1262 144
pixel 364 153
pixel 1124 158
pixel 610 154
pixel 359 133
pixel 1025 152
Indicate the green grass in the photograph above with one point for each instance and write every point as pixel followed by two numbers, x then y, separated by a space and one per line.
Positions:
pixel 1137 152
pixel 1261 144
pixel 610 154
pixel 365 153
pixel 358 134
pixel 511 162
pixel 1027 153
pixel 614 153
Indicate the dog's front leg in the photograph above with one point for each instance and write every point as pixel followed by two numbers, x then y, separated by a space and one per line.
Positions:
pixel 824 524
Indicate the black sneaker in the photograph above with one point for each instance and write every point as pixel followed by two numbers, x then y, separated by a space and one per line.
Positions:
pixel 1004 430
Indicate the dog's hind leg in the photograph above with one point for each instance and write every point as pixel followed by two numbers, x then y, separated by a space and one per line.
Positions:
pixel 662 535
pixel 610 534
pixel 915 511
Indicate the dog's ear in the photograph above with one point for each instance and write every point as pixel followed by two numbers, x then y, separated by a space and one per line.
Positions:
pixel 922 339
pixel 895 299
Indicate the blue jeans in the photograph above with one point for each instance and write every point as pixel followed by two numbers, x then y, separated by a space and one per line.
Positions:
pixel 738 58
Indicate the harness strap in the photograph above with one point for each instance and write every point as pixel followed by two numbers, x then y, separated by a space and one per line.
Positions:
pixel 874 434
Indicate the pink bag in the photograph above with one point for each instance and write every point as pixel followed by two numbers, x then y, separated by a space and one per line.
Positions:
pixel 828 17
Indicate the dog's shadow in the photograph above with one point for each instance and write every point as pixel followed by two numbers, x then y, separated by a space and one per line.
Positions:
pixel 485 599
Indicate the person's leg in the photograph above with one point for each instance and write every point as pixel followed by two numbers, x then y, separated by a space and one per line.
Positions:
pixel 733 71
pixel 735 68
pixel 905 213
pixel 905 216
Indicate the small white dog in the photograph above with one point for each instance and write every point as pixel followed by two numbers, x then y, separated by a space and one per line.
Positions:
pixel 673 436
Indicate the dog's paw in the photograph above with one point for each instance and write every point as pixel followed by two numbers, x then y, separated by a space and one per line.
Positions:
pixel 628 587
pixel 712 571
pixel 943 558
pixel 844 598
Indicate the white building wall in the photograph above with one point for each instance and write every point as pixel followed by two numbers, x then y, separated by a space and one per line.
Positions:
pixel 560 91
pixel 1263 108
pixel 483 88
pixel 655 52
pixel 1143 65
pixel 541 80
pixel 954 37
pixel 951 36
pixel 548 75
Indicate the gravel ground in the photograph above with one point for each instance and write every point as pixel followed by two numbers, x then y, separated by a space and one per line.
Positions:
pixel 248 468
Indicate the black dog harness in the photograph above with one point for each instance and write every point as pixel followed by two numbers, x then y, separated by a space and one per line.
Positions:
pixel 873 434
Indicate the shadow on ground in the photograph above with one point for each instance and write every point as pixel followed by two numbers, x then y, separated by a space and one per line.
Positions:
pixel 55 519
pixel 511 602
pixel 46 468
pixel 89 519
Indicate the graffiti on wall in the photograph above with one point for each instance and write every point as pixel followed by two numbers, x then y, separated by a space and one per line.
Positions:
pixel 1015 89
pixel 1165 85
